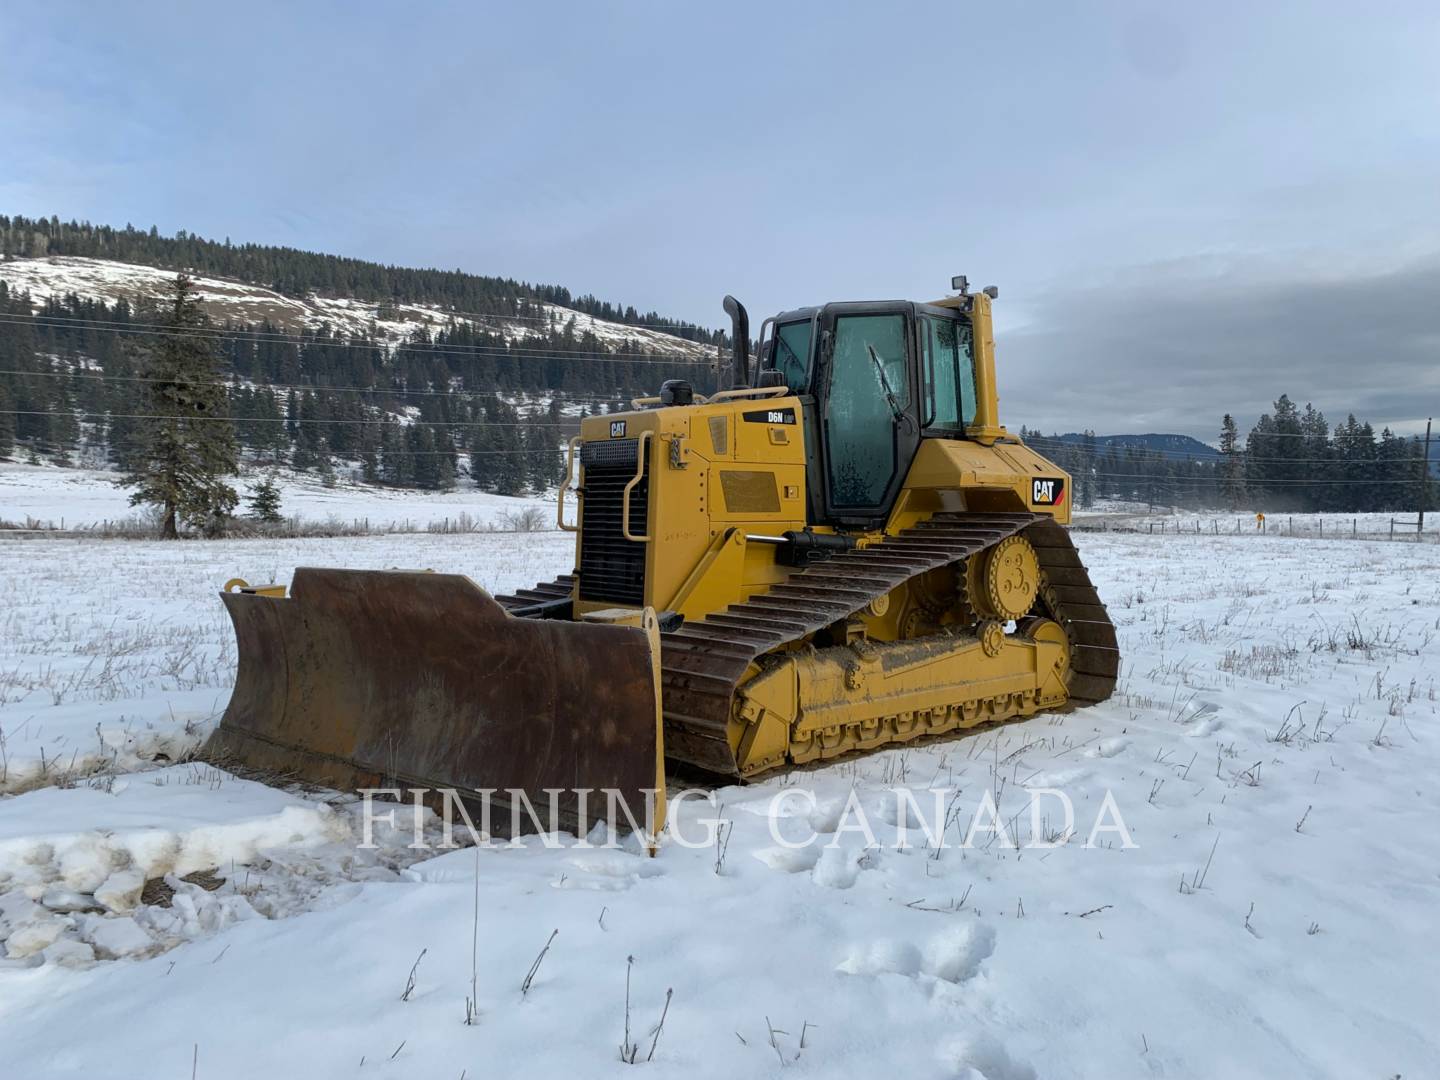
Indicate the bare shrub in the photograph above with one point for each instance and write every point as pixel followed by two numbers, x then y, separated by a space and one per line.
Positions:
pixel 528 519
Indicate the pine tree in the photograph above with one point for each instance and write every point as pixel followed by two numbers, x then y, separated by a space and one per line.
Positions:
pixel 265 502
pixel 7 424
pixel 1232 464
pixel 396 464
pixel 370 455
pixel 543 465
pixel 1319 460
pixel 1085 470
pixel 188 442
pixel 1396 487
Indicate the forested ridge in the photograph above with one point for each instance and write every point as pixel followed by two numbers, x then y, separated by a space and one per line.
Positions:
pixel 472 397
pixel 297 273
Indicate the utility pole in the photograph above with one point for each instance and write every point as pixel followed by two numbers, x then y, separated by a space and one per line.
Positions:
pixel 1424 480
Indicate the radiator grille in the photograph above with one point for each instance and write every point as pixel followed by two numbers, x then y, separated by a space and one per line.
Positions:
pixel 612 569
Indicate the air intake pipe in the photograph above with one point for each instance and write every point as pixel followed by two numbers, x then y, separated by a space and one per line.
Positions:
pixel 740 340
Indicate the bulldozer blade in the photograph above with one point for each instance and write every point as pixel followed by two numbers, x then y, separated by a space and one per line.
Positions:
pixel 409 679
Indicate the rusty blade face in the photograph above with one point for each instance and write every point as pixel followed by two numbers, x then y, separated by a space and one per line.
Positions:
pixel 395 678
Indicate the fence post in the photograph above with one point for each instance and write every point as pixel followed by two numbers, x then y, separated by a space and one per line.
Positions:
pixel 1354 527
pixel 1152 529
pixel 1322 525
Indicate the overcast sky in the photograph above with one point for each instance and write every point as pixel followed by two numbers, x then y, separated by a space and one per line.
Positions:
pixel 1189 209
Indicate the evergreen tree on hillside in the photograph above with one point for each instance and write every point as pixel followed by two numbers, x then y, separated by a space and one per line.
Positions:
pixel 370 454
pixel 544 464
pixel 187 444
pixel 7 424
pixel 507 464
pixel 396 464
pixel 265 502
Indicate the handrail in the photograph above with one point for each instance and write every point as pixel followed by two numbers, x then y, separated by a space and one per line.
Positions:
pixel 625 498
pixel 565 486
pixel 751 391
pixel 723 395
pixel 646 402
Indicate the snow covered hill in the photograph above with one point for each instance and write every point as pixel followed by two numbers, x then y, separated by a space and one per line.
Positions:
pixel 225 300
pixel 1265 912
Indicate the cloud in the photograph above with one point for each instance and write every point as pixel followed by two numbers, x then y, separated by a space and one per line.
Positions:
pixel 1173 348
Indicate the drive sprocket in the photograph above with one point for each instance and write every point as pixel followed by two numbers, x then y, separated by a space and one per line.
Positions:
pixel 1003 581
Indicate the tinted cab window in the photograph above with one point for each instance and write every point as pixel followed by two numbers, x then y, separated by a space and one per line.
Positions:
pixel 792 354
pixel 868 385
pixel 947 362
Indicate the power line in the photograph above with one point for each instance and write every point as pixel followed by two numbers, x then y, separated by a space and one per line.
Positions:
pixel 481 424
pixel 1218 462
pixel 1101 477
pixel 230 419
pixel 241 382
pixel 507 352
pixel 1217 459
pixel 454 452
pixel 660 326
pixel 1218 455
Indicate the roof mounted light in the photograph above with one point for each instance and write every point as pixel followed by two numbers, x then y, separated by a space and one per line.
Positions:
pixel 992 291
pixel 961 284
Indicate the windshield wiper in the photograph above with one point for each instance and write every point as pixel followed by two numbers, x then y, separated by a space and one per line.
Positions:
pixel 895 409
pixel 786 346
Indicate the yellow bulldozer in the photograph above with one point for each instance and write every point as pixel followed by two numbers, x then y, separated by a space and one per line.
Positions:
pixel 844 551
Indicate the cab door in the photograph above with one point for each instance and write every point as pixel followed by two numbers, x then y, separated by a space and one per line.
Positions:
pixel 868 407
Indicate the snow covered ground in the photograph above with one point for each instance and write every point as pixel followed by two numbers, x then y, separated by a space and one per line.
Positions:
pixel 120 650
pixel 1270 750
pixel 82 498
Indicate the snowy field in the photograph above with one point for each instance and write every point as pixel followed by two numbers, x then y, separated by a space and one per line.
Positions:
pixel 1271 751
pixel 85 498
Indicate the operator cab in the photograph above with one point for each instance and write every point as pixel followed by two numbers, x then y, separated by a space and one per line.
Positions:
pixel 875 378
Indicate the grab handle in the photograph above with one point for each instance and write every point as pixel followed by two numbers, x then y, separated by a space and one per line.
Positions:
pixel 565 485
pixel 625 498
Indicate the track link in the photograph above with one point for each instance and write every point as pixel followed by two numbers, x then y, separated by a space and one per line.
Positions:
pixel 704 661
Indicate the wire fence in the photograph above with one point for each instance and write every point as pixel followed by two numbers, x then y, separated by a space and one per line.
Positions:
pixel 1300 526
pixel 142 526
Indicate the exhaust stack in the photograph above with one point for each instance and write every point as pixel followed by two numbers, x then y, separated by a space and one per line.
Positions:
pixel 740 340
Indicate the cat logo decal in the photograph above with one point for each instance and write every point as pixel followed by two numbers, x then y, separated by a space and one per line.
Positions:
pixel 1047 492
